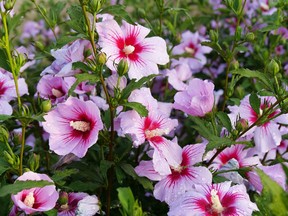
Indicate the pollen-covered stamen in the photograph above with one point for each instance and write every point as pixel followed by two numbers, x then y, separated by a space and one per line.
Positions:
pixel 80 125
pixel 189 50
pixel 156 132
pixel 64 207
pixel 216 204
pixel 128 49
pixel 29 200
pixel 57 93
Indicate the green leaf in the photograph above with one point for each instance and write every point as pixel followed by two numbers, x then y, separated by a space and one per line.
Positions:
pixel 141 109
pixel 273 198
pixel 82 66
pixel 77 20
pixel 5 117
pixel 202 127
pixel 62 174
pixel 118 11
pixel 216 47
pixel 219 142
pixel 255 102
pixel 52 212
pixel 126 199
pixel 225 120
pixel 128 169
pixel 4 60
pixel 135 85
pixel 84 186
pixel 21 185
pixel 4 166
pixel 92 78
pixel 254 74
pixel 269 28
pixel 105 165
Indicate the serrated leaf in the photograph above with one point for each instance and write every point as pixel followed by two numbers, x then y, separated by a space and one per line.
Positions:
pixel 82 66
pixel 225 120
pixel 21 185
pixel 128 169
pixel 118 11
pixel 76 21
pixel 255 103
pixel 269 28
pixel 139 108
pixel 201 127
pixel 219 142
pixel 254 74
pixel 92 78
pixel 83 186
pixel 5 117
pixel 62 174
pixel 135 85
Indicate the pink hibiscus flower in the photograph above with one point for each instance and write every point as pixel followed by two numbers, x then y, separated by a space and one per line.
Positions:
pixel 214 200
pixel 197 99
pixel 151 128
pixel 181 178
pixel 266 136
pixel 35 199
pixel 73 126
pixel 129 42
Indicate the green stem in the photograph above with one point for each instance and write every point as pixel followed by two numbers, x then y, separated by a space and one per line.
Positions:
pixel 22 149
pixel 111 110
pixel 10 59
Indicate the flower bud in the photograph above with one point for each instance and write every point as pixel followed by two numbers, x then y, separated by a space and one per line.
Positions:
pixel 46 106
pixel 241 124
pixel 250 37
pixel 122 67
pixel 238 33
pixel 94 5
pixel 39 45
pixel 33 162
pixel 141 13
pixel 8 157
pixel 234 65
pixel 63 198
pixel 8 6
pixel 101 58
pixel 273 67
pixel 213 35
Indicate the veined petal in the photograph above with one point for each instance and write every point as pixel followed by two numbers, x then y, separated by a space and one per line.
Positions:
pixel 146 168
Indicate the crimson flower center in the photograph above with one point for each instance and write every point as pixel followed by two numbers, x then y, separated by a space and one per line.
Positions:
pixel 82 126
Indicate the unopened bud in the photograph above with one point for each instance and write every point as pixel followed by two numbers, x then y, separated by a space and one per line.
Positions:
pixel 122 67
pixel 234 65
pixel 39 45
pixel 46 106
pixel 8 6
pixel 101 58
pixel 141 13
pixel 250 37
pixel 33 162
pixel 8 157
pixel 238 33
pixel 213 35
pixel 63 198
pixel 94 5
pixel 241 125
pixel 273 67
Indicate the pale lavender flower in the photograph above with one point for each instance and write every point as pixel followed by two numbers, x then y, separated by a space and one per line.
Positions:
pixel 88 206
pixel 65 57
pixel 191 45
pixel 197 99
